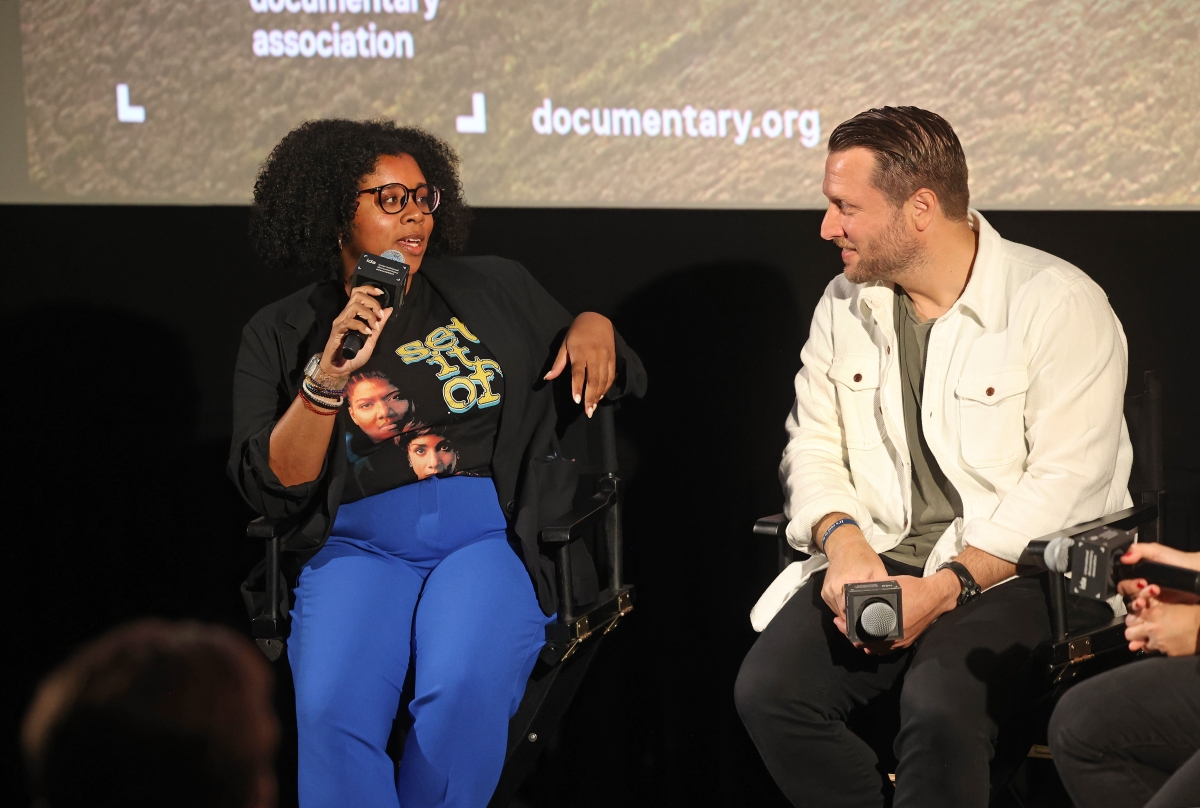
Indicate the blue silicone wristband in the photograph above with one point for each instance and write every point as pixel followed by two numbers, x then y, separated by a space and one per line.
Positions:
pixel 833 527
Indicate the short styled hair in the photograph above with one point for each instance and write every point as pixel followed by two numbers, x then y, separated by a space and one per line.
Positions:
pixel 307 190
pixel 154 713
pixel 367 375
pixel 914 149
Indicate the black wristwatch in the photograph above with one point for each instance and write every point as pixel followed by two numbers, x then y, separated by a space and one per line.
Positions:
pixel 970 589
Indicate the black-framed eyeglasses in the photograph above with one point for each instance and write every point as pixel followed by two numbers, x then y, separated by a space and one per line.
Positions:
pixel 394 197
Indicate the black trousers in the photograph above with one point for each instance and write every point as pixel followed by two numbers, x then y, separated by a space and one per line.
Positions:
pixel 1131 737
pixel 802 683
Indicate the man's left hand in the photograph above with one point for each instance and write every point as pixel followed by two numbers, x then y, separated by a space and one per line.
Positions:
pixel 925 600
pixel 591 348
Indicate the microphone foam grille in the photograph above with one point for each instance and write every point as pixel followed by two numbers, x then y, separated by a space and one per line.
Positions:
pixel 878 619
pixel 394 255
pixel 1058 555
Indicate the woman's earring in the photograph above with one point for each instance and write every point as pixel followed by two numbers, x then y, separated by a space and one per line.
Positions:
pixel 339 242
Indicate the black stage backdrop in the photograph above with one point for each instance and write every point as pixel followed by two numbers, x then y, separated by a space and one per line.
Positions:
pixel 123 324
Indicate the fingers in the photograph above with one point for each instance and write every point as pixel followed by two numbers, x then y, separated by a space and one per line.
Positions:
pixel 373 337
pixel 1139 632
pixel 578 377
pixel 356 324
pixel 1133 554
pixel 1152 551
pixel 590 346
pixel 1146 599
pixel 883 648
pixel 601 371
pixel 592 373
pixel 365 296
pixel 840 622
pixel 833 599
pixel 1132 587
pixel 560 362
pixel 362 315
pixel 356 315
pixel 366 312
pixel 363 305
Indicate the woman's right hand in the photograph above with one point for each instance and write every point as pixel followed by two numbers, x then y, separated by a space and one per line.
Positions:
pixel 362 305
pixel 1168 628
pixel 1160 554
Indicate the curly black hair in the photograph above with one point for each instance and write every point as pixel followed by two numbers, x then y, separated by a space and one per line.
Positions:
pixel 306 192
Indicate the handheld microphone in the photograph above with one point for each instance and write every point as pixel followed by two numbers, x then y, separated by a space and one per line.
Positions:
pixel 1165 575
pixel 878 619
pixel 874 611
pixel 1053 555
pixel 388 272
pixel 1095 568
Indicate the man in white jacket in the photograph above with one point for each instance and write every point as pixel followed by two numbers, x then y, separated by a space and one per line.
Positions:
pixel 959 396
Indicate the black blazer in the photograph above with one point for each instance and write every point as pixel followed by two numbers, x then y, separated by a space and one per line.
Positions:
pixel 520 323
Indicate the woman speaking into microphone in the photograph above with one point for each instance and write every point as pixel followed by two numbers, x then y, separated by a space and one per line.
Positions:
pixel 416 475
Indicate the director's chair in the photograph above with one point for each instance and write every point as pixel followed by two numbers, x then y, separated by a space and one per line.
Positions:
pixel 590 530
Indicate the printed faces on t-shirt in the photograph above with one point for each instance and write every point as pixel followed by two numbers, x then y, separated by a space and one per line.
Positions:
pixel 426 404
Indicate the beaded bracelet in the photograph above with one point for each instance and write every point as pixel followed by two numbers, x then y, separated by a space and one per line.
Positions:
pixel 321 401
pixel 322 392
pixel 833 527
pixel 317 410
pixel 319 391
pixel 318 401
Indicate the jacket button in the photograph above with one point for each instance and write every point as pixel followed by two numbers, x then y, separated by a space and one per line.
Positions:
pixel 511 507
pixel 858 377
pixel 991 391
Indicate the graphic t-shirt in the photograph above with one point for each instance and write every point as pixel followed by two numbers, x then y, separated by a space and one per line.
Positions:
pixel 427 402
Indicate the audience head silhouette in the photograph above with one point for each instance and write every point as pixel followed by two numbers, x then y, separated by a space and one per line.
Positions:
pixel 155 713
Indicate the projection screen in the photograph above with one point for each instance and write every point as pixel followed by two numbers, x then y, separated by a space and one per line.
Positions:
pixel 713 103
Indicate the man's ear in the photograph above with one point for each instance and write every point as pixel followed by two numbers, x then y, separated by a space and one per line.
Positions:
pixel 923 206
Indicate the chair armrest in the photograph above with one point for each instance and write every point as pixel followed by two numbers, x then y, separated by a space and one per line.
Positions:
pixel 775 525
pixel 1127 519
pixel 262 528
pixel 268 628
pixel 567 527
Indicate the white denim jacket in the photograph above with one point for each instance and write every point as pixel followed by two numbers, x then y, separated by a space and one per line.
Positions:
pixel 1022 409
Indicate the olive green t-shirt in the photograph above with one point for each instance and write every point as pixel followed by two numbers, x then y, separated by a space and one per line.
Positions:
pixel 935 501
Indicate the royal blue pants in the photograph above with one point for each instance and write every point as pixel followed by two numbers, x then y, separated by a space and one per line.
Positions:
pixel 423 573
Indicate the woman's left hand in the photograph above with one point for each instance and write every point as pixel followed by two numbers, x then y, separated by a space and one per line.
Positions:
pixel 1168 628
pixel 591 348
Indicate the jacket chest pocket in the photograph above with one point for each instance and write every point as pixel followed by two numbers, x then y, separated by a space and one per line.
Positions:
pixel 856 379
pixel 991 416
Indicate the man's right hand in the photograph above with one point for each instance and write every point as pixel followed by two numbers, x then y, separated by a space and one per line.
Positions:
pixel 851 561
